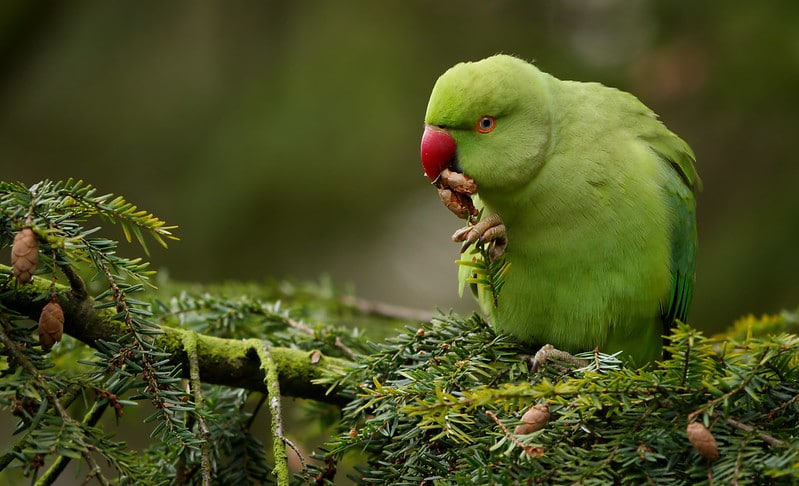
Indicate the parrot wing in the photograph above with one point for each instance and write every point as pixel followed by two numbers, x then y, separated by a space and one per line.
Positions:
pixel 680 191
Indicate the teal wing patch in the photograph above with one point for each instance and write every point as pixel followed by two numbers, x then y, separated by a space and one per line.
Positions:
pixel 683 253
pixel 680 192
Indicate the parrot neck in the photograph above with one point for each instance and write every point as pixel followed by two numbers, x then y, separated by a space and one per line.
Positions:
pixel 563 186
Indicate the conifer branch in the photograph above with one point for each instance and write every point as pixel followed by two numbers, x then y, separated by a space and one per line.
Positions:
pixel 228 362
pixel 768 439
pixel 190 345
pixel 532 451
pixel 383 309
pixel 269 368
pixel 429 403
pixel 55 470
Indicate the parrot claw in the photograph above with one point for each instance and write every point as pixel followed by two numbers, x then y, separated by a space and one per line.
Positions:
pixel 548 352
pixel 490 230
pixel 459 235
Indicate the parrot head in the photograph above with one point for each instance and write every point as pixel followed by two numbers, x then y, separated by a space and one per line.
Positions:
pixel 489 120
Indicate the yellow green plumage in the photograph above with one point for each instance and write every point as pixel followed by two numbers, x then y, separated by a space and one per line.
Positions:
pixel 596 197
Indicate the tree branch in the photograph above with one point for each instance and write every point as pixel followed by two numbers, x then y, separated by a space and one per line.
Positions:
pixel 229 362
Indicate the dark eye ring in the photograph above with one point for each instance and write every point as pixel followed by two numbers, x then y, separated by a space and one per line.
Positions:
pixel 486 124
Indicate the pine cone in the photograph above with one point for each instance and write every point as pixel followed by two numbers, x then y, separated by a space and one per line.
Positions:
pixel 24 255
pixel 535 418
pixel 51 325
pixel 703 441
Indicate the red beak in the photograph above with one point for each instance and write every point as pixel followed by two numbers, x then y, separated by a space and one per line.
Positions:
pixel 438 151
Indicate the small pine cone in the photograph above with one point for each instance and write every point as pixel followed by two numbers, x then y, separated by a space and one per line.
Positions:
pixel 703 441
pixel 535 419
pixel 24 255
pixel 51 325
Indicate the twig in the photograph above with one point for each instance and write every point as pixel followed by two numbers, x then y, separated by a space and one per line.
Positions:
pixel 75 282
pixel 302 327
pixel 347 350
pixel 296 450
pixel 281 469
pixel 222 361
pixel 387 310
pixel 190 345
pixel 532 451
pixel 90 475
pixel 50 476
pixel 773 441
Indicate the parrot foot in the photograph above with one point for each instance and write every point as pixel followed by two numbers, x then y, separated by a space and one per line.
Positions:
pixel 489 230
pixel 548 352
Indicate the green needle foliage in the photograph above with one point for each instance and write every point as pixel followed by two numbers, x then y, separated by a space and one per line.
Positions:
pixel 445 402
pixel 59 397
pixel 486 277
pixel 439 405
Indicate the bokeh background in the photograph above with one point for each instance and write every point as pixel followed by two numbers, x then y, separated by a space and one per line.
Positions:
pixel 282 137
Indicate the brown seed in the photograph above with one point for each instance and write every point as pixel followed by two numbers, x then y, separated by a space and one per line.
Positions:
pixel 458 203
pixel 24 255
pixel 703 441
pixel 535 419
pixel 458 182
pixel 51 325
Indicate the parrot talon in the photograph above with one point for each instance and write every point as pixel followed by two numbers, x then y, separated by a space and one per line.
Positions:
pixel 489 230
pixel 548 352
pixel 458 235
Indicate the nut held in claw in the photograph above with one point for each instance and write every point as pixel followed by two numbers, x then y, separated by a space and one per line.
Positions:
pixel 455 190
pixel 458 182
pixel 460 204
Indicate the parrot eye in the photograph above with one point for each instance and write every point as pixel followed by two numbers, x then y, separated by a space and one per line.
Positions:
pixel 486 124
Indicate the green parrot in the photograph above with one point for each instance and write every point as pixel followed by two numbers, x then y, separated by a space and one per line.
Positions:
pixel 581 190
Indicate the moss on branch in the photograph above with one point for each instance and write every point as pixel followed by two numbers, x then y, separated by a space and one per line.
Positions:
pixel 229 362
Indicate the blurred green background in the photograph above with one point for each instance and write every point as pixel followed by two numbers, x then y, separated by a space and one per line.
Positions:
pixel 282 137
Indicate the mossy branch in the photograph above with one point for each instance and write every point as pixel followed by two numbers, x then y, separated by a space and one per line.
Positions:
pixel 229 362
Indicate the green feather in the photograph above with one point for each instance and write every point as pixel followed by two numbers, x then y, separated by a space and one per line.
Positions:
pixel 683 250
pixel 680 197
pixel 597 198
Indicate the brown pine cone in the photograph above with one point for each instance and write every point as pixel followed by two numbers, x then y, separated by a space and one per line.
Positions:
pixel 51 325
pixel 703 441
pixel 24 255
pixel 535 418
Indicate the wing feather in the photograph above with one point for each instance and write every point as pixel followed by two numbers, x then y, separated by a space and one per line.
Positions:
pixel 680 194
